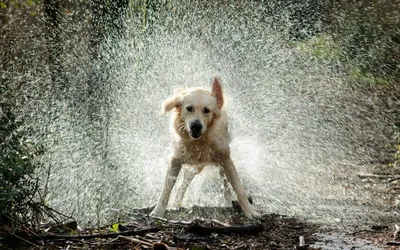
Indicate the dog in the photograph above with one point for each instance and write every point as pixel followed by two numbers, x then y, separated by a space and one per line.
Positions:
pixel 200 129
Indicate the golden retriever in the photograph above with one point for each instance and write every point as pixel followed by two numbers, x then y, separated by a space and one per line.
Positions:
pixel 200 129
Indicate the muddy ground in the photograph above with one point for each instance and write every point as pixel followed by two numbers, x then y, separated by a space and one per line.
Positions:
pixel 226 228
pixel 272 231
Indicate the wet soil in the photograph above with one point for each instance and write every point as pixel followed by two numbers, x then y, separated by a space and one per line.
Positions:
pixel 272 231
pixel 211 227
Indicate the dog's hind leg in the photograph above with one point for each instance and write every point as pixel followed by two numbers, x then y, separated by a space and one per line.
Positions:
pixel 188 174
pixel 175 166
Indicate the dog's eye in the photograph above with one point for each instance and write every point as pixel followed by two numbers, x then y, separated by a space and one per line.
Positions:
pixel 206 110
pixel 190 109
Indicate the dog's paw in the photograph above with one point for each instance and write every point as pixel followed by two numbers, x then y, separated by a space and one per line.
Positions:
pixel 157 212
pixel 251 213
pixel 236 205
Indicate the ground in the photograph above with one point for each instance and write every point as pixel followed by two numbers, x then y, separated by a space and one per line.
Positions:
pixel 272 231
pixel 225 228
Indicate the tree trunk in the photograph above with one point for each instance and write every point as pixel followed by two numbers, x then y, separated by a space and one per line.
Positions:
pixel 52 16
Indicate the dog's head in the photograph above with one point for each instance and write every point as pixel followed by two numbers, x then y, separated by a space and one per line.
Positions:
pixel 197 108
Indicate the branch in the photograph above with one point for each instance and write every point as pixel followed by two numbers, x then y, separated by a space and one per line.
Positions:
pixel 155 246
pixel 246 229
pixel 133 240
pixel 92 236
pixel 393 243
pixel 368 175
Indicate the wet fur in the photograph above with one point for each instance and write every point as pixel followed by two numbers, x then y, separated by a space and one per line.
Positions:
pixel 211 148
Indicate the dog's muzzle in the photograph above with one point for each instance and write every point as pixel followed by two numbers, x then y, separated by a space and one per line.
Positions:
pixel 195 129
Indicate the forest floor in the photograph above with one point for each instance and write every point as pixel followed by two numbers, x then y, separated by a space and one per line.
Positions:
pixel 272 231
pixel 227 229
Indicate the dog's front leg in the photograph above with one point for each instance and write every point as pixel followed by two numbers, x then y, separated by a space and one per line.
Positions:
pixel 237 186
pixel 188 174
pixel 174 167
pixel 227 191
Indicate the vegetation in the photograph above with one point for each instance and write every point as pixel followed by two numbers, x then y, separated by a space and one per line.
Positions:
pixel 364 39
pixel 18 186
pixel 364 42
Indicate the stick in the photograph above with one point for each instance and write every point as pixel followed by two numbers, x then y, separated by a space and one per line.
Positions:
pixel 396 231
pixel 366 175
pixel 25 240
pixel 171 221
pixel 395 178
pixel 111 235
pixel 133 240
pixel 247 229
pixel 302 242
pixel 156 246
pixel 393 243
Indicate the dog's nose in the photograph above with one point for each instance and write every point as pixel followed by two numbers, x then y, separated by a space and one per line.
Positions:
pixel 196 126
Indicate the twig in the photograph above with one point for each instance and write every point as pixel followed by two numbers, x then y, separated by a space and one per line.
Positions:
pixel 21 225
pixel 246 229
pixel 111 235
pixel 220 223
pixel 393 243
pixel 183 222
pixel 27 241
pixel 46 186
pixel 156 246
pixel 57 212
pixel 171 221
pixel 395 178
pixel 380 176
pixel 4 247
pixel 396 231
pixel 302 242
pixel 133 240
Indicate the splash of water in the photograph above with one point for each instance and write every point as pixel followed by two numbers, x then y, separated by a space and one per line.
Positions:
pixel 294 121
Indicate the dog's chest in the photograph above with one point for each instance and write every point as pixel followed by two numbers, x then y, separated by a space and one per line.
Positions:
pixel 198 153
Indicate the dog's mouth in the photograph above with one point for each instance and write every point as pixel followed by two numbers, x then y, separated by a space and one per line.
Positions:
pixel 194 134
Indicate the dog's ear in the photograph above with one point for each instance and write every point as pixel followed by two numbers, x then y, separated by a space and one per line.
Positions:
pixel 217 92
pixel 173 102
pixel 170 103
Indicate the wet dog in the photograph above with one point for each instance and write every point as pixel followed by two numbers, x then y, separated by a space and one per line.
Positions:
pixel 200 129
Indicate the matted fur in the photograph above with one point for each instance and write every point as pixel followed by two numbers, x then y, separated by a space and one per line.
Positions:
pixel 200 129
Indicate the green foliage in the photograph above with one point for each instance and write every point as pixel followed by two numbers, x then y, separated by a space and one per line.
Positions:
pixel 321 47
pixel 19 4
pixel 114 228
pixel 364 40
pixel 17 185
pixel 368 56
pixel 372 49
pixel 364 76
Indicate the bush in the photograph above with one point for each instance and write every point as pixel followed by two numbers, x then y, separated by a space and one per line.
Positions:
pixel 322 48
pixel 364 39
pixel 18 187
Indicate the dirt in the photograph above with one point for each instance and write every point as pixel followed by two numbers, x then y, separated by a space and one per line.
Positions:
pixel 272 231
